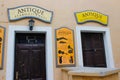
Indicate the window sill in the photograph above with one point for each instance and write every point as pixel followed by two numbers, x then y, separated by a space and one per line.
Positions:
pixel 87 71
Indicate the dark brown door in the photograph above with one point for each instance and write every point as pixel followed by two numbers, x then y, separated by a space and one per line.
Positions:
pixel 93 50
pixel 30 57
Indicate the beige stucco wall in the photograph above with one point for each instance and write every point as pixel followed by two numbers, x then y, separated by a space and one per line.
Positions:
pixel 64 17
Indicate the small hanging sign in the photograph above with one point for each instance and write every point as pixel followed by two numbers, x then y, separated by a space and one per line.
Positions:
pixel 30 11
pixel 91 16
pixel 65 47
pixel 2 31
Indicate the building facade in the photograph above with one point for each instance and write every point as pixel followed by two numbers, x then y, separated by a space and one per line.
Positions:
pixel 93 44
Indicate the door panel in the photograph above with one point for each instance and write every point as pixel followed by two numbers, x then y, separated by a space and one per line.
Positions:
pixel 21 65
pixel 93 50
pixel 88 58
pixel 30 63
pixel 37 63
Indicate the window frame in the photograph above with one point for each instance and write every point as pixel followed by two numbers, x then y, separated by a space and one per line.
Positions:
pixel 107 44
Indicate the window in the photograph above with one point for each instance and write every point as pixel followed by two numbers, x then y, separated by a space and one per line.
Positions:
pixel 89 53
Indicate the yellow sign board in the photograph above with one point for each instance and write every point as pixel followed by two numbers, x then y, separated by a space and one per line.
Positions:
pixel 65 47
pixel 30 11
pixel 91 16
pixel 1 46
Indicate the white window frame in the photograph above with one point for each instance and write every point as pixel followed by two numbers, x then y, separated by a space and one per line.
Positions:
pixel 11 49
pixel 107 43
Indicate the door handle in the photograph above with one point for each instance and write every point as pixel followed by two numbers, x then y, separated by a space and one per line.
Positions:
pixel 95 50
pixel 89 50
pixel 17 75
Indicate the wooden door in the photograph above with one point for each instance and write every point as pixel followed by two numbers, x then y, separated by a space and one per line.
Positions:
pixel 30 61
pixel 93 50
